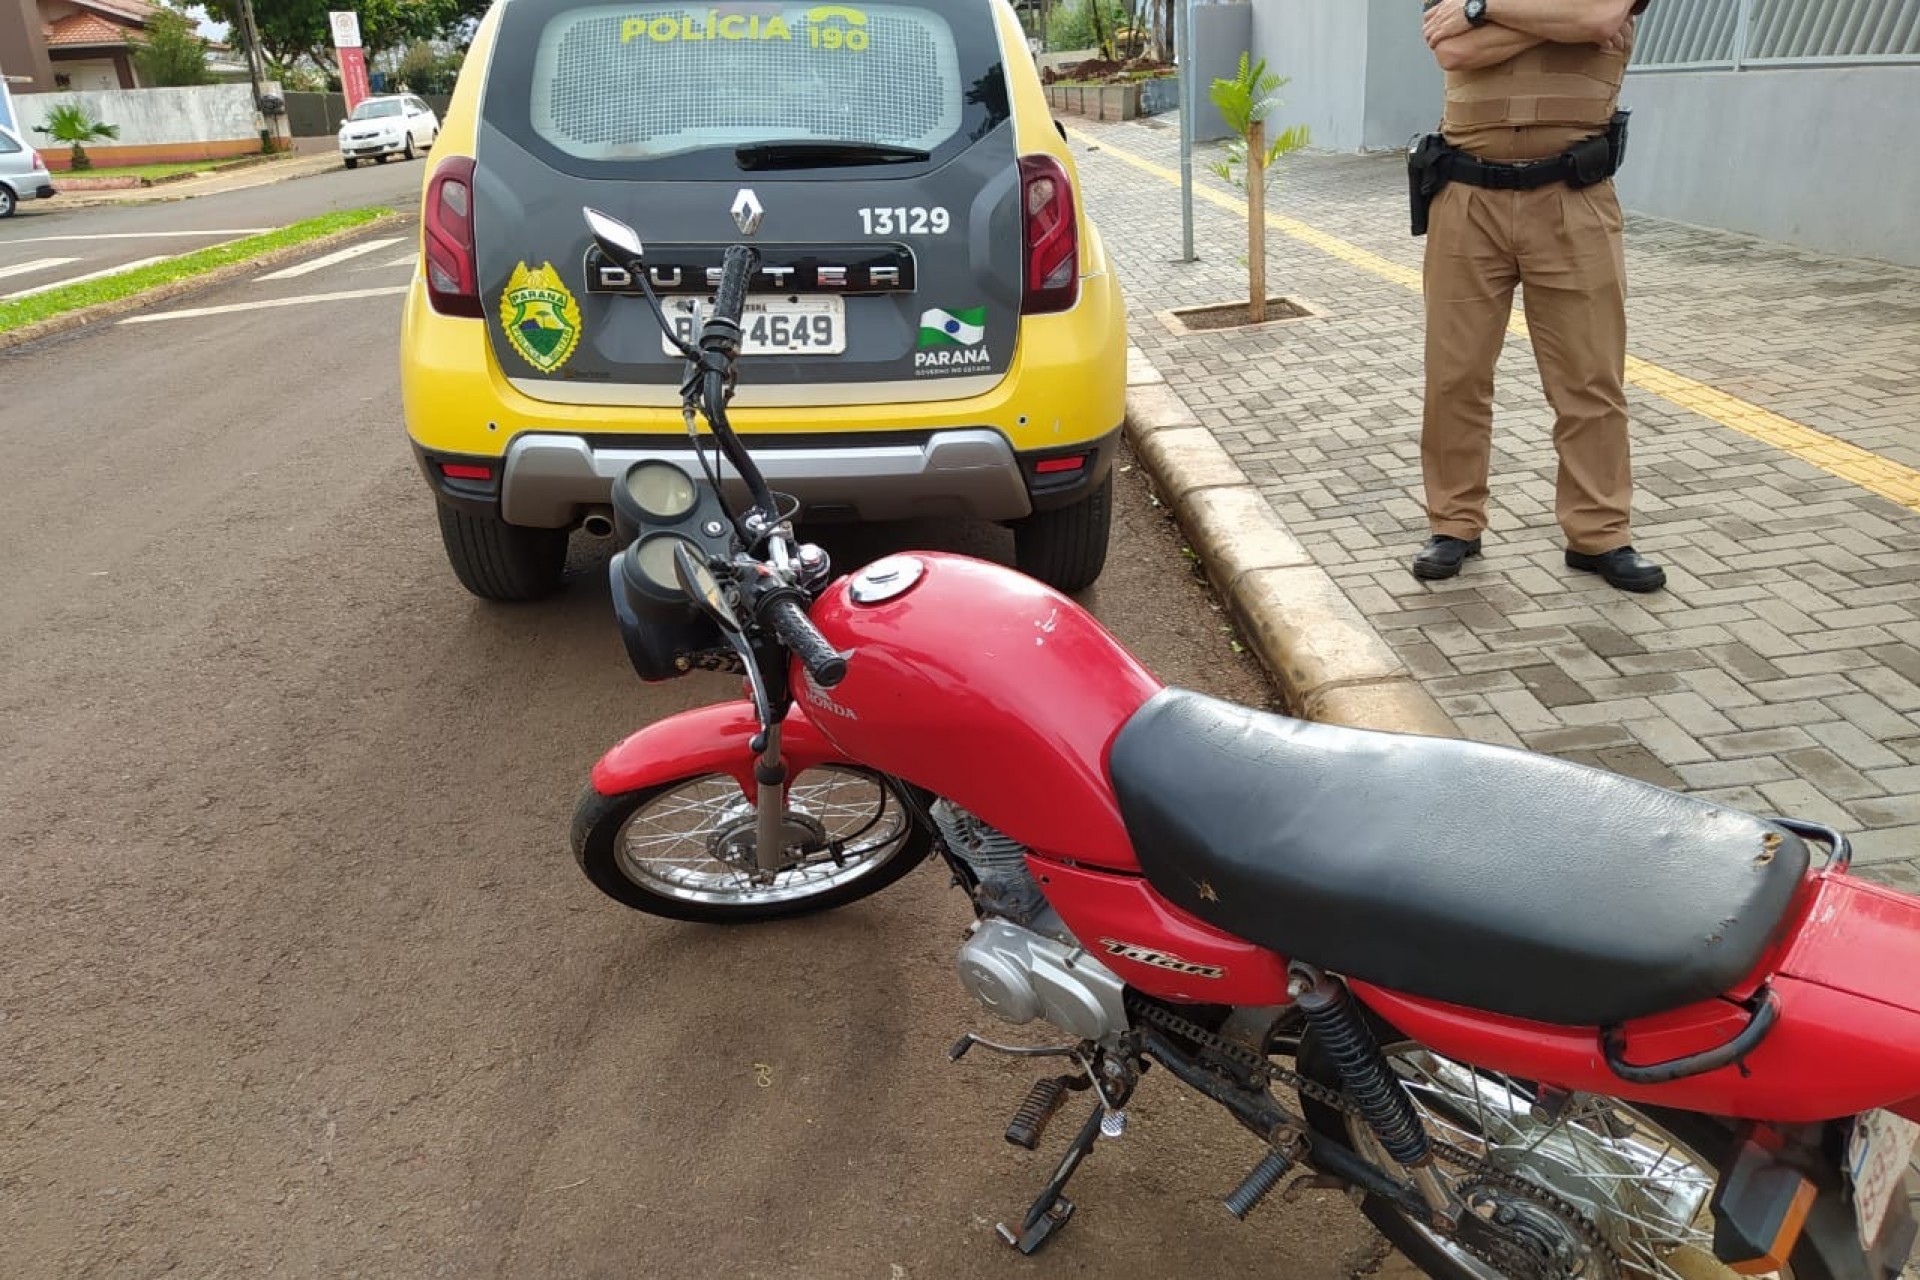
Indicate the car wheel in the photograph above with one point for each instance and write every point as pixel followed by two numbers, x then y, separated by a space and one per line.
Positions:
pixel 1066 548
pixel 7 202
pixel 409 151
pixel 350 162
pixel 500 561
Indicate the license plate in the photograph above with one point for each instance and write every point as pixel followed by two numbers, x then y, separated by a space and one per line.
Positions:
pixel 1882 1147
pixel 770 326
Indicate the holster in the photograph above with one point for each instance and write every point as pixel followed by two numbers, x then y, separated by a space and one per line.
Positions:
pixel 1425 176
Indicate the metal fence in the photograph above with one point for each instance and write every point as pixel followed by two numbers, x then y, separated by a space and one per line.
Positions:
pixel 1691 35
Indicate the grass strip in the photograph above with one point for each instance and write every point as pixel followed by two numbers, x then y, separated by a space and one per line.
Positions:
pixel 164 170
pixel 17 313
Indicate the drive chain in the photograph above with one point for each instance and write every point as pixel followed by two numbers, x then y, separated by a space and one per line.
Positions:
pixel 1260 1066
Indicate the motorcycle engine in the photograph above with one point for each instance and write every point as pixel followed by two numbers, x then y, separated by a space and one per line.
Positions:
pixel 1020 960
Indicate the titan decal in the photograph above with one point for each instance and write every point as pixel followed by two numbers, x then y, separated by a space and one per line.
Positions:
pixel 1161 960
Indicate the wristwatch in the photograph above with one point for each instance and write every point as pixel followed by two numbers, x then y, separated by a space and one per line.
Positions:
pixel 1476 11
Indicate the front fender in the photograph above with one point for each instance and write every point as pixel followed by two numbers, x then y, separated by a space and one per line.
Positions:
pixel 711 739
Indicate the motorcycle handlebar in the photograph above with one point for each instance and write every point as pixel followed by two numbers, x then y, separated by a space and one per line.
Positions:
pixel 823 662
pixel 730 299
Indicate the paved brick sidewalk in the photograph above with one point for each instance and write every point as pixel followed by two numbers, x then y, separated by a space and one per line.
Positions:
pixel 1780 670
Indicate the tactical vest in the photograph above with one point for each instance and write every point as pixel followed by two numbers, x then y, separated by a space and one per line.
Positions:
pixel 1569 85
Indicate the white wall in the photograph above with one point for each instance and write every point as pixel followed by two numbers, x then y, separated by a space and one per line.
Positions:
pixel 1824 157
pixel 149 117
pixel 1362 78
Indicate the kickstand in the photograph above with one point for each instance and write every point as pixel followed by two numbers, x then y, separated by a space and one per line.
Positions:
pixel 1050 1209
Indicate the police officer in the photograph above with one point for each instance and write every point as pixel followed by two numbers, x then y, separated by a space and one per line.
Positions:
pixel 1516 189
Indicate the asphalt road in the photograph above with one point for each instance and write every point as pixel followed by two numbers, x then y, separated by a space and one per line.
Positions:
pixel 298 977
pixel 47 243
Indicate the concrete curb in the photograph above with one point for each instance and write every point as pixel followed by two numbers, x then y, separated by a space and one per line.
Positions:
pixel 1329 662
pixel 192 284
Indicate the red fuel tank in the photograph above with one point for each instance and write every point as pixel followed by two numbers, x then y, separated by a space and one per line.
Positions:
pixel 987 688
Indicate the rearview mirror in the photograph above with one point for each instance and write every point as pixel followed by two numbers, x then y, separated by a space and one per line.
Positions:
pixel 616 239
pixel 702 588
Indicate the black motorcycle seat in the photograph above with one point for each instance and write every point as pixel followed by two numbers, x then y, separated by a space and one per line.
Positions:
pixel 1472 874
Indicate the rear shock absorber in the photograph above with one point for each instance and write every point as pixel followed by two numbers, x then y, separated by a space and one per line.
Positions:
pixel 1369 1081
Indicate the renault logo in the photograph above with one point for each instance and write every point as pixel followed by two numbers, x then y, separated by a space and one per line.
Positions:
pixel 747 211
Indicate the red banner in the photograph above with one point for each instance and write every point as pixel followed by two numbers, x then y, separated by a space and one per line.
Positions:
pixel 353 76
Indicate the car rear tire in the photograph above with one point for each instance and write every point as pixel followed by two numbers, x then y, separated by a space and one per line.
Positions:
pixel 7 202
pixel 1066 548
pixel 500 561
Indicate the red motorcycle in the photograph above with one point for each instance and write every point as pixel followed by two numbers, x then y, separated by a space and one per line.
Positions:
pixel 1548 1022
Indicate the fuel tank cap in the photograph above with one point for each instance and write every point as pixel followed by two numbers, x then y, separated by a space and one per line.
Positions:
pixel 885 579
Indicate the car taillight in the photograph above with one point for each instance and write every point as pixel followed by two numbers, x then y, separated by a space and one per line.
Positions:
pixel 453 277
pixel 34 161
pixel 1052 236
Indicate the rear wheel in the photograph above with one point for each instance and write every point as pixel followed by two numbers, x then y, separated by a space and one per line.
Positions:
pixel 7 202
pixel 1066 548
pixel 500 561
pixel 685 849
pixel 1642 1179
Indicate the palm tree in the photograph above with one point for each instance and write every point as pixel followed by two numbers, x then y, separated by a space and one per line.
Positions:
pixel 70 123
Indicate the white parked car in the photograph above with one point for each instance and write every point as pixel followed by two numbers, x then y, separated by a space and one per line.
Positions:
pixel 398 124
pixel 23 176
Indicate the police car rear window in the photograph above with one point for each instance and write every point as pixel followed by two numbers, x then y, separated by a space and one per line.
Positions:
pixel 647 81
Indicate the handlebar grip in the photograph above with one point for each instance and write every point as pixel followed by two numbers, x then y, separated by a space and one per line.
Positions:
pixel 823 662
pixel 735 269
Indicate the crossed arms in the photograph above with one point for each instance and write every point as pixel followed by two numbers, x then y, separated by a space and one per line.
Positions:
pixel 1514 26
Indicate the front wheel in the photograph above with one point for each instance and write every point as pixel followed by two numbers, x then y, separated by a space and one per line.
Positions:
pixel 1066 548
pixel 350 162
pixel 409 154
pixel 1607 1190
pixel 685 849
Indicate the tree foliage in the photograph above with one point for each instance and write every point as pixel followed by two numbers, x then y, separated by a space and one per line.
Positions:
pixel 293 29
pixel 70 123
pixel 1084 24
pixel 172 53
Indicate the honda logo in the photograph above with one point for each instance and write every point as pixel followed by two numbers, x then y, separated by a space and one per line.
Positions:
pixel 747 211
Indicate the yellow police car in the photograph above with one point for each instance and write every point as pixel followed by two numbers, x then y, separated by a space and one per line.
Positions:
pixel 934 328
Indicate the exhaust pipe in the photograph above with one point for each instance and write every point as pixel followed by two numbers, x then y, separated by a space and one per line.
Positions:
pixel 599 524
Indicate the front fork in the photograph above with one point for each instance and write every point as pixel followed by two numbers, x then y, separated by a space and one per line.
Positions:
pixel 770 805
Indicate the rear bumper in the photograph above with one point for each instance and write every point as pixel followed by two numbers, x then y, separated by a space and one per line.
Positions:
pixel 44 191
pixel 550 480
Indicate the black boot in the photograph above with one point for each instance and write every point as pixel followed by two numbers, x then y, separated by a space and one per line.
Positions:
pixel 1442 556
pixel 1622 567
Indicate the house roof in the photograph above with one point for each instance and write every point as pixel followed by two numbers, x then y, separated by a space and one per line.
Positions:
pixel 85 28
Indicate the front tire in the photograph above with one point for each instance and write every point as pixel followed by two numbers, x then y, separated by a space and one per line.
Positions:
pixel 1687 1148
pixel 500 561
pixel 683 849
pixel 409 151
pixel 1066 548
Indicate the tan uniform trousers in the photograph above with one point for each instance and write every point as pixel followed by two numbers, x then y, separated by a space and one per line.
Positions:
pixel 1565 246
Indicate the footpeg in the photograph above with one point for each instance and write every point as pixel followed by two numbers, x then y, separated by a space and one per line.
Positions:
pixel 1254 1188
pixel 1043 1101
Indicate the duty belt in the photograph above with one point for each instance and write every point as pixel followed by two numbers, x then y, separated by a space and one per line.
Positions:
pixel 1433 162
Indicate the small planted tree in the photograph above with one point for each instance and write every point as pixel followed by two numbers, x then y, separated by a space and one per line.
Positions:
pixel 172 53
pixel 70 123
pixel 1245 102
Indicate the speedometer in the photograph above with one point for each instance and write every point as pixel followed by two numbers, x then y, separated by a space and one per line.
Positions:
pixel 662 491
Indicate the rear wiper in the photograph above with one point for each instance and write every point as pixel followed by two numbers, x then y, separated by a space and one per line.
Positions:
pixel 808 153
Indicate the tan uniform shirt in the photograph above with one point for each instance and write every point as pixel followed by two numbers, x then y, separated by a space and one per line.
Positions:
pixel 1535 104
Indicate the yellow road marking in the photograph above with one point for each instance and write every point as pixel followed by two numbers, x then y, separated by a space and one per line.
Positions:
pixel 1834 456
